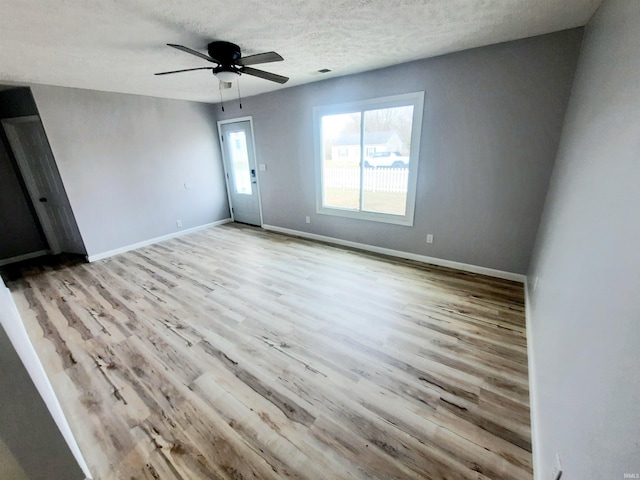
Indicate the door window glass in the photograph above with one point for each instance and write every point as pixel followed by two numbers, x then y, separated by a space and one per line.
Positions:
pixel 240 162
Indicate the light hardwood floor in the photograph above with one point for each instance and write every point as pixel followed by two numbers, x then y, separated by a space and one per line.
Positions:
pixel 241 354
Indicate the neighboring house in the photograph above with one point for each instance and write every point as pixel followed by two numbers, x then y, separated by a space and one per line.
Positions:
pixel 347 146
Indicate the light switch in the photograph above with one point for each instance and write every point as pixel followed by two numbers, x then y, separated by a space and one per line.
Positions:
pixel 262 167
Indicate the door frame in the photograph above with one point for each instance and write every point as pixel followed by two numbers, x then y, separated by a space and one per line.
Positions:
pixel 255 158
pixel 25 171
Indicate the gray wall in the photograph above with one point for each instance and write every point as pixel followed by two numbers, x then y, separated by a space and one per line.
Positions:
pixel 20 231
pixel 584 312
pixel 124 160
pixel 492 123
pixel 31 446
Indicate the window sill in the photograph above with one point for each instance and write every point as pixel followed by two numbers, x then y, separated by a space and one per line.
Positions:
pixel 406 220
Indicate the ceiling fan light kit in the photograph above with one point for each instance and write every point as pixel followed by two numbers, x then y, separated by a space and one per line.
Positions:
pixel 226 76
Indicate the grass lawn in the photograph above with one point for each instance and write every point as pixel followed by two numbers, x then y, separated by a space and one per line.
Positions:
pixel 380 202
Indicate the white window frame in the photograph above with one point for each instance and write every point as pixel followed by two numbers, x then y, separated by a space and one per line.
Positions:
pixel 416 99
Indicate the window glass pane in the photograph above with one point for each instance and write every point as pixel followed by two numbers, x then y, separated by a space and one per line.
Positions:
pixel 240 162
pixel 365 158
pixel 341 161
pixel 387 145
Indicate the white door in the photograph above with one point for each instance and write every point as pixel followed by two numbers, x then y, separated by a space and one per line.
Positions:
pixel 236 139
pixel 32 152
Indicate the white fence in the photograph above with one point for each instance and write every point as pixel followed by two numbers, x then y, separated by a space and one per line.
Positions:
pixel 391 180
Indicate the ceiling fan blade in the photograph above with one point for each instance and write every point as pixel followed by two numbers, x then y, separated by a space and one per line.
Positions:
pixel 193 52
pixel 185 70
pixel 266 75
pixel 266 57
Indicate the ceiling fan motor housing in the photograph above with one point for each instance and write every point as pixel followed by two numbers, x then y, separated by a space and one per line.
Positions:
pixel 225 52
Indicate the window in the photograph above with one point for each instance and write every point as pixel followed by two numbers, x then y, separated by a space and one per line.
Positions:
pixel 378 182
pixel 240 160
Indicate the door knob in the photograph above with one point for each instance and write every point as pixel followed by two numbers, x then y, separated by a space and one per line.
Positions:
pixel 42 199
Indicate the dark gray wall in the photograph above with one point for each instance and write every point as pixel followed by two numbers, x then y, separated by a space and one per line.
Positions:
pixel 31 446
pixel 124 160
pixel 20 231
pixel 584 310
pixel 491 127
pixel 17 102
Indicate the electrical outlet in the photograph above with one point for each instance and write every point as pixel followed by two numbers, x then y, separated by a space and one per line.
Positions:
pixel 179 223
pixel 429 238
pixel 307 219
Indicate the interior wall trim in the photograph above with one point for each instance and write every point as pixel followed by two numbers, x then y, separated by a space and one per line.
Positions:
pixel 533 391
pixel 14 328
pixel 26 256
pixel 517 277
pixel 151 241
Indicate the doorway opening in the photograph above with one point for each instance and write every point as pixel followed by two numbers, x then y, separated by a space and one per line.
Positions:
pixel 239 158
pixel 30 147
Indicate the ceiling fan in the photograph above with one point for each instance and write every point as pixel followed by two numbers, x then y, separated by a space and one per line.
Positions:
pixel 230 63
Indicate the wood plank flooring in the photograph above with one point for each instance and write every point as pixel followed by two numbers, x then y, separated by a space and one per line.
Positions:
pixel 236 353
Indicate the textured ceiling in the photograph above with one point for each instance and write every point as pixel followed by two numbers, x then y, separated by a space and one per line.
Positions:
pixel 117 45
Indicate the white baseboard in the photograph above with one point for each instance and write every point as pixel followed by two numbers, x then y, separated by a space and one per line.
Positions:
pixel 151 241
pixel 533 392
pixel 517 277
pixel 21 258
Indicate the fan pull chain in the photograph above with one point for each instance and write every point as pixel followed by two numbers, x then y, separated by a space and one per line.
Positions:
pixel 220 90
pixel 239 97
